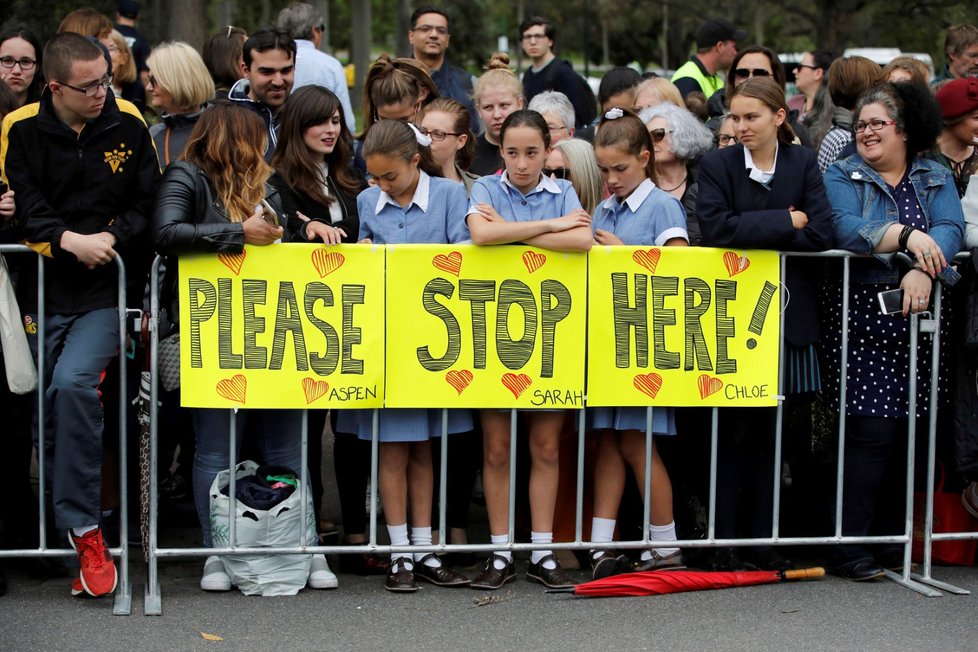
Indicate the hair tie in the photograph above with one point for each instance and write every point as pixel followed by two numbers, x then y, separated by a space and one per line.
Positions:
pixel 420 137
pixel 614 114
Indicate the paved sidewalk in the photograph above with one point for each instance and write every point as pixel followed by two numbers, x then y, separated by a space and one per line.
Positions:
pixel 831 614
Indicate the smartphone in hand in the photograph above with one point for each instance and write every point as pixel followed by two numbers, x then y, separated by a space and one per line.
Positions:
pixel 268 213
pixel 891 301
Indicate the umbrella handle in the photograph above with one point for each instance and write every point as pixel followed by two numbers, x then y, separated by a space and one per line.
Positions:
pixel 803 573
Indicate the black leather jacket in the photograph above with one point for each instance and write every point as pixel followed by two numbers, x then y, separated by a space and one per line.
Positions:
pixel 189 217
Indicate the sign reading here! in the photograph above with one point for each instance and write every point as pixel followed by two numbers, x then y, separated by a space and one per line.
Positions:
pixel 679 326
pixel 491 327
pixel 283 326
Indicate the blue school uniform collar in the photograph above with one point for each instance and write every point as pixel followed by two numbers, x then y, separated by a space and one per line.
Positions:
pixel 546 184
pixel 634 200
pixel 420 198
pixel 762 177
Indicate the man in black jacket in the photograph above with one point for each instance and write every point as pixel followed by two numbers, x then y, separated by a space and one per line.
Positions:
pixel 84 169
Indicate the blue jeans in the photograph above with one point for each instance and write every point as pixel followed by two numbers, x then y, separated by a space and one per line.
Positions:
pixel 78 348
pixel 279 441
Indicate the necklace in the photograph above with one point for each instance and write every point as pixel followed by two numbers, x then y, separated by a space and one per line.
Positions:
pixel 678 186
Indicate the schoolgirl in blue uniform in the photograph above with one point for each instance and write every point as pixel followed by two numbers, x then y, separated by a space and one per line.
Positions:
pixel 410 203
pixel 523 205
pixel 637 213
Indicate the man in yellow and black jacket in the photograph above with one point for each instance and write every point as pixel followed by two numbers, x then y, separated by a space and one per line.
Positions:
pixel 84 169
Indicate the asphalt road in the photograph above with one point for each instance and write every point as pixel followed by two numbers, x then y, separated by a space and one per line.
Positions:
pixel 830 614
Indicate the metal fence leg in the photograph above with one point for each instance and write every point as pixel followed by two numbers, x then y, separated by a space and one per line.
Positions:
pixel 903 579
pixel 579 507
pixel 374 464
pixel 152 600
pixel 925 578
pixel 122 605
pixel 512 477
pixel 443 482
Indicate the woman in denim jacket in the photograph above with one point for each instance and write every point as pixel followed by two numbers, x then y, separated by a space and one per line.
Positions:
pixel 886 199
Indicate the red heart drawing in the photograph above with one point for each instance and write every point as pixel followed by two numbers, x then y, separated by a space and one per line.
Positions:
pixel 708 385
pixel 735 264
pixel 533 260
pixel 647 259
pixel 459 379
pixel 327 262
pixel 314 389
pixel 233 262
pixel 516 384
pixel 648 383
pixel 451 263
pixel 234 388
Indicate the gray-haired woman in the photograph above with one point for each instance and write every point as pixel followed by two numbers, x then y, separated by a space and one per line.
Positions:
pixel 679 140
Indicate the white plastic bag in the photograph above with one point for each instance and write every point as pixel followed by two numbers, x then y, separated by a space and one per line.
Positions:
pixel 19 363
pixel 257 574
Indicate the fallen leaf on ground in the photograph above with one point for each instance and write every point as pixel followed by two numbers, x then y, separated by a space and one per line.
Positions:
pixel 210 637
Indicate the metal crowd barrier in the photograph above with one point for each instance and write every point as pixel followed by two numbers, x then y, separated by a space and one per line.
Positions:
pixel 122 604
pixel 925 322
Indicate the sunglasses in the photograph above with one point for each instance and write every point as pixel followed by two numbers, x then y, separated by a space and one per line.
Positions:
pixel 744 73
pixel 659 134
pixel 557 173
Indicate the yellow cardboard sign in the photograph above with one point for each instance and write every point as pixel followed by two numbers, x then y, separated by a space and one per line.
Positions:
pixel 283 326
pixel 681 326
pixel 485 327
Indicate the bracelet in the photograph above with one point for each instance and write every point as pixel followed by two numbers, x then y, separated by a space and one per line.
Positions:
pixel 904 236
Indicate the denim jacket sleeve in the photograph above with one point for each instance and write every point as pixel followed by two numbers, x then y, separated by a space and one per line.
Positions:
pixel 854 230
pixel 946 219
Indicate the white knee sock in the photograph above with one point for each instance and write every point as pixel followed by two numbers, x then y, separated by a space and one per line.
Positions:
pixel 421 536
pixel 661 533
pixel 399 537
pixel 602 531
pixel 85 529
pixel 499 539
pixel 537 555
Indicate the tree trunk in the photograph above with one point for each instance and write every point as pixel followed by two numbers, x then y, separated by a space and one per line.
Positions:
pixel 360 47
pixel 188 22
pixel 401 44
pixel 323 8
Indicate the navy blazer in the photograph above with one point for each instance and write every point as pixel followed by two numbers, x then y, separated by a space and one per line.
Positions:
pixel 735 211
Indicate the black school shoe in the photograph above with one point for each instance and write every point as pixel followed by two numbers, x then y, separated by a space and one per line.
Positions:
pixel 552 578
pixel 607 564
pixel 492 578
pixel 399 578
pixel 438 575
pixel 861 570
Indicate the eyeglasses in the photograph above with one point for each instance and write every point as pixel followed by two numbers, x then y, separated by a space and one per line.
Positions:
pixel 805 65
pixel 659 134
pixel 427 29
pixel 745 73
pixel 875 125
pixel 10 62
pixel 92 91
pixel 557 173
pixel 534 37
pixel 724 140
pixel 437 134
pixel 554 128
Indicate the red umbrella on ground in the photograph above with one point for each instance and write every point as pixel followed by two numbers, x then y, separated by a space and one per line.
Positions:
pixel 676 581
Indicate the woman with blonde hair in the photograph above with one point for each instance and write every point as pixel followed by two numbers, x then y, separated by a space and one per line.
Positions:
pixel 656 91
pixel 217 199
pixel 497 93
pixel 179 87
pixel 123 69
pixel 573 159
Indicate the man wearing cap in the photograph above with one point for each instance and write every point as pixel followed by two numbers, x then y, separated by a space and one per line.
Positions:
pixel 958 143
pixel 960 52
pixel 716 46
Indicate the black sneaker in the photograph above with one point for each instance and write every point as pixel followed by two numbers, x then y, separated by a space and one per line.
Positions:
pixel 492 578
pixel 552 578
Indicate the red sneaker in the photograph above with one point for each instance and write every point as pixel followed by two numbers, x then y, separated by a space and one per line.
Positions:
pixel 97 574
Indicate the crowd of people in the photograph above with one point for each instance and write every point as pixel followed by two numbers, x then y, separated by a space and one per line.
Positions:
pixel 254 142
